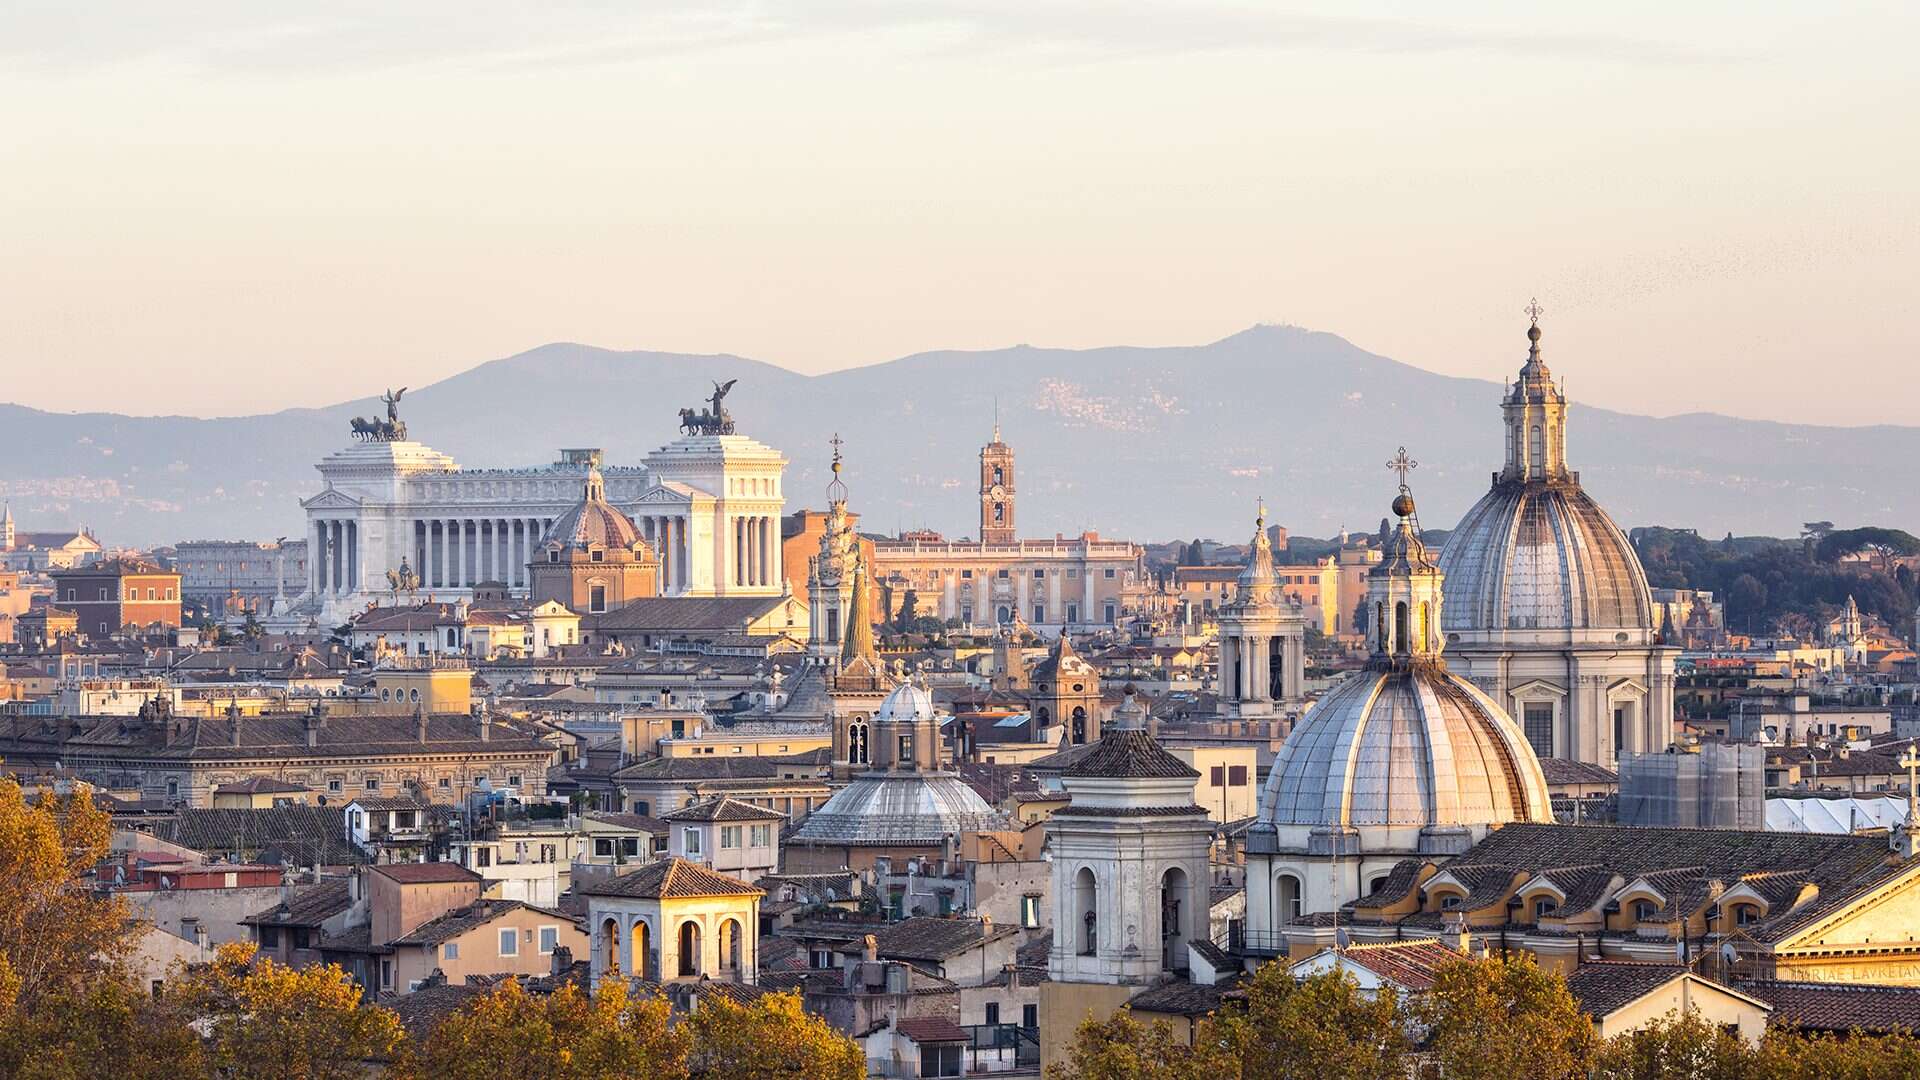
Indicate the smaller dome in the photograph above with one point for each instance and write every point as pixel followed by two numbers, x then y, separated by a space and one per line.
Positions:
pixel 908 704
pixel 594 522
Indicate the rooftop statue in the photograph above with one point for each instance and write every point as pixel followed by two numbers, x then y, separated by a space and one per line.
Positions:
pixel 714 420
pixel 392 429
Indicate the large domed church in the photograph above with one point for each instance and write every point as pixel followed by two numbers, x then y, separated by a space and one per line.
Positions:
pixel 1403 758
pixel 1548 609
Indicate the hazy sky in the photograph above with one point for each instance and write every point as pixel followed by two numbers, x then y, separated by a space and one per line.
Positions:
pixel 220 207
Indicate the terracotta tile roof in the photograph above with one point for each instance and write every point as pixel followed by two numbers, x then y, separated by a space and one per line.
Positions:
pixel 1605 987
pixel 671 878
pixel 425 872
pixel 302 834
pixel 423 1010
pixel 1411 964
pixel 1569 771
pixel 460 920
pixel 311 905
pixel 724 808
pixel 1129 754
pixel 1840 1007
pixel 638 822
pixel 931 1029
pixel 929 937
pixel 1035 951
pixel 1180 998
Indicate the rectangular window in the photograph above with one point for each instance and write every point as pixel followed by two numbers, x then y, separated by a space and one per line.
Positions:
pixel 1218 776
pixel 1039 575
pixel 269 936
pixel 729 837
pixel 373 783
pixel 1237 776
pixel 1073 613
pixel 1040 613
pixel 603 848
pixel 993 1012
pixel 690 840
pixel 1108 572
pixel 966 574
pixel 450 951
pixel 1030 1017
pixel 386 974
pixel 1030 912
pixel 509 943
pixel 630 845
pixel 333 787
pixel 1003 574
pixel 1109 614
pixel 762 835
pixel 549 939
pixel 1539 726
pixel 597 598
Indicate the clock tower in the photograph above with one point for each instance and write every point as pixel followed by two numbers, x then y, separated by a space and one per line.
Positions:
pixel 996 491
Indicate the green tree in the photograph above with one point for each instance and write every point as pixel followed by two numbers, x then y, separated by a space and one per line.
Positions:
pixel 1503 1017
pixel 1679 1046
pixel 1881 543
pixel 1323 1027
pixel 1786 1054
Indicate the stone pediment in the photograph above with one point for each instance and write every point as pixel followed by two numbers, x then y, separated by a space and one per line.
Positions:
pixel 331 499
pixel 670 493
pixel 1537 689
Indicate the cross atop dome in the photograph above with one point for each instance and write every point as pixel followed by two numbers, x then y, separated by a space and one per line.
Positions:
pixel 1402 464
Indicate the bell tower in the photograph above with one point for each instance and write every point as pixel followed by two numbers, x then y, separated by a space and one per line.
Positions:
pixel 996 491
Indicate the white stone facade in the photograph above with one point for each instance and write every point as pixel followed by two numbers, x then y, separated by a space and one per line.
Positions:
pixel 709 505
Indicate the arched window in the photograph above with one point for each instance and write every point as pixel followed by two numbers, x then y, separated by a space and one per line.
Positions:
pixel 730 946
pixel 1174 903
pixel 1286 900
pixel 1079 724
pixel 1086 900
pixel 1400 634
pixel 610 945
pixel 644 965
pixel 689 948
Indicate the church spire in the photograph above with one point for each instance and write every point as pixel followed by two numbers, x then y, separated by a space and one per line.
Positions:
pixel 858 643
pixel 1535 412
pixel 1403 589
pixel 1258 582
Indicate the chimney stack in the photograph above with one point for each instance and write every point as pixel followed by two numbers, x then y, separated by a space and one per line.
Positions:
pixel 870 949
pixel 420 722
pixel 486 722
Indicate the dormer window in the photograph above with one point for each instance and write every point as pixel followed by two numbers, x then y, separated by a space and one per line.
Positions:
pixel 1543 907
pixel 597 555
pixel 1449 902
pixel 553 555
pixel 1645 910
pixel 1745 914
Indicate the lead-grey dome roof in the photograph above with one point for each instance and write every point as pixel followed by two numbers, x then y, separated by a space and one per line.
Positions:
pixel 1413 746
pixel 909 809
pixel 1542 556
pixel 593 522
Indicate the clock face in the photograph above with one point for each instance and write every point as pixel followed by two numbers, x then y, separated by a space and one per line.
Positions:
pixel 997 491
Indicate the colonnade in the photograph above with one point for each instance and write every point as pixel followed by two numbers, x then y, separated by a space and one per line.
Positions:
pixel 753 556
pixel 666 534
pixel 458 553
pixel 333 556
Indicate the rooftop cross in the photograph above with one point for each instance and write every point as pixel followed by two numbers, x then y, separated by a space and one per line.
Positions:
pixel 1910 761
pixel 1534 310
pixel 1402 464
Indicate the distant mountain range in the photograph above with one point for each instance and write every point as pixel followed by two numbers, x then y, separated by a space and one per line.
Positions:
pixel 1150 444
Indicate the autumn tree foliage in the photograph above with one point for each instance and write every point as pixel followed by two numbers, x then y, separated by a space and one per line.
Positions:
pixel 265 1020
pixel 771 1038
pixel 55 934
pixel 1124 1048
pixel 566 1035
pixel 1503 1017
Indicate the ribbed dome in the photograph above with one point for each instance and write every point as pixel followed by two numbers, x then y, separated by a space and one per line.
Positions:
pixel 1406 746
pixel 1542 556
pixel 594 522
pixel 899 808
pixel 908 704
